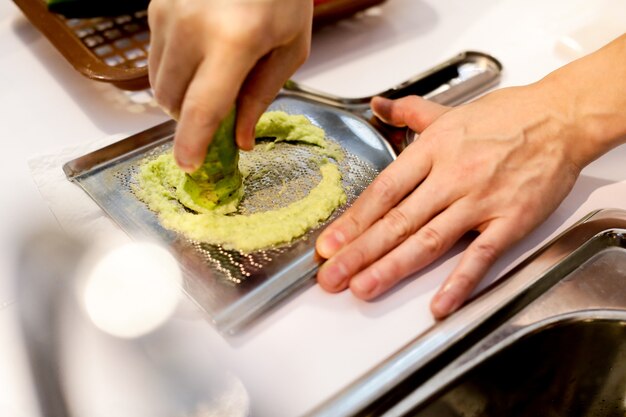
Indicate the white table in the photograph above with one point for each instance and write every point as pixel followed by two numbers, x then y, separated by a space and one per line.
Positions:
pixel 316 343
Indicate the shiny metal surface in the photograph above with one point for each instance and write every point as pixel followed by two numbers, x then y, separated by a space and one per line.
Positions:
pixel 47 264
pixel 266 277
pixel 452 82
pixel 231 287
pixel 572 283
pixel 575 366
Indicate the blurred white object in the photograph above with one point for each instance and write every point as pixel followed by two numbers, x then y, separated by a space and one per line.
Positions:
pixel 132 289
pixel 232 401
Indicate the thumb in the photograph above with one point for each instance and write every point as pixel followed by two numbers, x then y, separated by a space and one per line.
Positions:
pixel 412 111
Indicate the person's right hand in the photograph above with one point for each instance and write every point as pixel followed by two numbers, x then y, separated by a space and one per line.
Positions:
pixel 207 55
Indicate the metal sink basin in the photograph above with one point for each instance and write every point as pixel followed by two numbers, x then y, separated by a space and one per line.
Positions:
pixel 562 355
pixel 576 367
pixel 549 339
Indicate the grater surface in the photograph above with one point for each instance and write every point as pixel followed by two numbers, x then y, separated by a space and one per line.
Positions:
pixel 234 287
pixel 277 177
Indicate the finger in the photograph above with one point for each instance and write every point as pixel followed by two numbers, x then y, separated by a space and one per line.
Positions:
pixel 392 185
pixel 179 62
pixel 263 83
pixel 428 244
pixel 479 256
pixel 157 10
pixel 412 111
pixel 395 227
pixel 154 57
pixel 210 96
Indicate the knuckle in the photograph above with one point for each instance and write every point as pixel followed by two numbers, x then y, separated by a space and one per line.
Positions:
pixel 399 223
pixel 389 273
pixel 464 283
pixel 431 240
pixel 486 252
pixel 185 29
pixel 238 40
pixel 385 189
pixel 198 114
pixel 356 258
pixel 249 37
pixel 353 225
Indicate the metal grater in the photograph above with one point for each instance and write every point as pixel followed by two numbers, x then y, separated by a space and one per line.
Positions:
pixel 232 287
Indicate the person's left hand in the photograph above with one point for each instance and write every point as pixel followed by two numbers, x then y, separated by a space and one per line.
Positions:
pixel 499 166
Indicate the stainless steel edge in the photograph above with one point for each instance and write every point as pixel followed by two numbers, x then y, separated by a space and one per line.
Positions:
pixel 452 82
pixel 447 376
pixel 452 95
pixel 85 169
pixel 240 315
pixel 505 296
pixel 296 272
pixel 124 148
pixel 455 94
pixel 557 304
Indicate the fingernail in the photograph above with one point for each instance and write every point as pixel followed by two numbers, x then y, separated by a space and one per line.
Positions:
pixel 246 141
pixel 186 165
pixel 445 303
pixel 330 243
pixel 188 168
pixel 248 146
pixel 335 274
pixel 364 286
pixel 171 113
pixel 381 107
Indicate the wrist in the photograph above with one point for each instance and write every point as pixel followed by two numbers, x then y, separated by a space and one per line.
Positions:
pixel 589 97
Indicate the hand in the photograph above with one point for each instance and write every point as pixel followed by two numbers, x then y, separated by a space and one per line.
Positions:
pixel 205 55
pixel 499 166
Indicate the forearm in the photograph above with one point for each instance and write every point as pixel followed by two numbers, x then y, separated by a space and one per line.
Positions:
pixel 590 94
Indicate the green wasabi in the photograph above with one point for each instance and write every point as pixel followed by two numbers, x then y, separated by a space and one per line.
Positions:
pixel 217 184
pixel 297 128
pixel 198 205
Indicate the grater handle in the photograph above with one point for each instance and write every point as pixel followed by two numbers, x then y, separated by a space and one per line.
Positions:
pixel 453 82
pixel 450 83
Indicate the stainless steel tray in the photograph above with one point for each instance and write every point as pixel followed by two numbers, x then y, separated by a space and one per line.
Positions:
pixel 579 277
pixel 235 288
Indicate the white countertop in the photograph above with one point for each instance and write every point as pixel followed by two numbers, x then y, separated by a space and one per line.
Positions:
pixel 316 343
